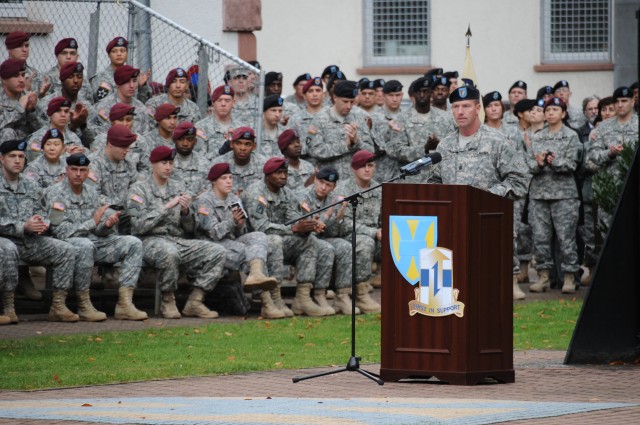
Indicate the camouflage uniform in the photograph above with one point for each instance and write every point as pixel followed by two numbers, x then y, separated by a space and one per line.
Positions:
pixel 189 111
pixel 299 176
pixel 368 248
pixel 112 179
pixel 16 207
pixel 14 116
pixel 509 119
pixel 212 135
pixel 72 220
pixel 269 144
pixel 44 173
pixel 576 116
pixel 326 140
pixel 268 212
pixel 139 151
pixel 86 134
pixel 294 104
pixel 243 176
pixel 102 84
pixel 100 120
pixel 553 198
pixel 34 142
pixel 300 122
pixel 154 139
pixel 163 234
pixel 84 95
pixel 192 172
pixel 246 111
pixel 37 80
pixel 9 260
pixel 387 167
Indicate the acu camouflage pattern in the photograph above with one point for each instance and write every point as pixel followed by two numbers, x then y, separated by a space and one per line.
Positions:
pixel 139 151
pixel 84 95
pixel 102 85
pixel 299 176
pixel 246 175
pixel 192 172
pixel 34 142
pixel 15 117
pixel 611 133
pixel 268 146
pixel 245 111
pixel 300 121
pixel 189 111
pixel 44 173
pixel 100 121
pixel 212 134
pixel 112 179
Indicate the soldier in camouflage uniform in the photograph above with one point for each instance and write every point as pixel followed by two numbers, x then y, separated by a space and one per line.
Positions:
pixel 22 224
pixel 166 116
pixel 17 107
pixel 126 78
pixel 217 128
pixel 66 51
pixel 189 167
pixel 553 196
pixel 335 134
pixel 300 121
pixel 177 85
pixel 271 127
pixel 481 157
pixel 49 168
pixel 440 98
pixel 244 163
pixel 161 216
pixel 8 262
pixel 576 118
pixel 78 218
pixel 245 105
pixel 17 44
pixel 418 130
pixel 103 83
pixel 517 92
pixel 221 218
pixel 301 172
pixel 297 99
pixel 270 205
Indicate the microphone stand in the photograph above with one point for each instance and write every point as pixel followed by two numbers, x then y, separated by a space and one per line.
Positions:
pixel 353 365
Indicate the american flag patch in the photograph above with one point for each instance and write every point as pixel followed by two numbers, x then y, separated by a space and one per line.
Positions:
pixel 35 147
pixel 203 211
pixel 93 176
pixel 201 134
pixel 137 198
pixel 58 206
pixel 102 113
pixel 305 206
pixel 312 129
pixel 262 200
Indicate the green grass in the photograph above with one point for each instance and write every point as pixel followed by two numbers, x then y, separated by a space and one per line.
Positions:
pixel 227 348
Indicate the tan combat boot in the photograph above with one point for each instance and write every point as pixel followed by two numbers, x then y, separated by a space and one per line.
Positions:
pixel 125 310
pixel 303 304
pixel 59 311
pixel 8 303
pixel 196 308
pixel 86 310
pixel 168 308
pixel 276 296
pixel 25 284
pixel 342 303
pixel 4 320
pixel 517 292
pixel 320 297
pixel 257 279
pixel 523 276
pixel 569 286
pixel 588 276
pixel 542 285
pixel 376 280
pixel 269 309
pixel 365 303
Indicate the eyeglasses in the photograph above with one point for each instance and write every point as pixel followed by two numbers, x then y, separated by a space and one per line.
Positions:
pixel 237 77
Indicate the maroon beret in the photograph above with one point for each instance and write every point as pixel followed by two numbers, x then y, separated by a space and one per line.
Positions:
pixel 123 74
pixel 16 39
pixel 162 153
pixel 361 158
pixel 117 42
pixel 220 90
pixel 286 137
pixel 52 133
pixel 12 67
pixel 218 170
pixel 56 103
pixel 316 81
pixel 244 133
pixel 70 68
pixel 274 164
pixel 65 43
pixel 119 110
pixel 173 74
pixel 183 129
pixel 165 110
pixel 119 135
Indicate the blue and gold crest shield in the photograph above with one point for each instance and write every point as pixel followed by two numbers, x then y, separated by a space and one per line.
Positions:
pixel 408 235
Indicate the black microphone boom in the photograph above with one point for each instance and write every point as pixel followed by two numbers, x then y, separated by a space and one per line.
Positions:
pixel 414 167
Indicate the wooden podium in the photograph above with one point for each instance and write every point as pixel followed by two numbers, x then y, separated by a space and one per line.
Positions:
pixel 477 227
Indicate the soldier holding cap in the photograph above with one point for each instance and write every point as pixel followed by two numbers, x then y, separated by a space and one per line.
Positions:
pixel 189 167
pixel 22 226
pixel 216 129
pixel 18 47
pixel 300 121
pixel 245 105
pixel 221 218
pixel 245 164
pixel 300 171
pixel 78 218
pixel 517 92
pixel 17 106
pixel 177 87
pixel 161 216
pixel 271 127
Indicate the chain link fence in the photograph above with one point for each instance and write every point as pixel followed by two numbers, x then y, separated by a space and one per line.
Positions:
pixel 155 42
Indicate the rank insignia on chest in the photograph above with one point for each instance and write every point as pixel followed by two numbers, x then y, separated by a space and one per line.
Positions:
pixel 305 207
pixel 137 198
pixel 58 206
pixel 203 211
pixel 262 200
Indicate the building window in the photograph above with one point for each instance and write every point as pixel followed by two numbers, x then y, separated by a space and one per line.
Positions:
pixel 13 9
pixel 396 33
pixel 576 31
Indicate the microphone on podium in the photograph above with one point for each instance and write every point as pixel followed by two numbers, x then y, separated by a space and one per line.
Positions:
pixel 414 167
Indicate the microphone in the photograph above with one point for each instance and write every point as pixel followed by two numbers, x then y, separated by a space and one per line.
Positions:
pixel 414 167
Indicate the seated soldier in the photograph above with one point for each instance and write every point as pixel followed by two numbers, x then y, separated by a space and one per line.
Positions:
pixel 271 127
pixel 48 168
pixel 270 204
pixel 18 116
pixel 66 51
pixel 221 218
pixel 166 116
pixel 301 172
pixel 78 218
pixel 217 128
pixel 189 167
pixel 177 86
pixel 161 216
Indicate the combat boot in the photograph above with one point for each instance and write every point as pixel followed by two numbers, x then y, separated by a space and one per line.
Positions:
pixel 59 311
pixel 86 310
pixel 542 285
pixel 257 279
pixel 587 277
pixel 376 280
pixel 125 310
pixel 25 284
pixel 168 307
pixel 523 276
pixel 4 320
pixel 342 302
pixel 196 308
pixel 276 296
pixel 517 292
pixel 569 286
pixel 303 304
pixel 8 303
pixel 320 296
pixel 365 303
pixel 269 309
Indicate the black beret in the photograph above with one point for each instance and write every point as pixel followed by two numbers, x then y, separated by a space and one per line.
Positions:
pixel 464 93
pixel 546 90
pixel 441 81
pixel 302 77
pixel 346 89
pixel 519 84
pixel 433 72
pixel 491 97
pixel 331 69
pixel 255 64
pixel 469 82
pixel 560 84
pixel 272 101
pixel 392 86
pixel 52 133
pixel 272 77
pixel 634 86
pixel 366 84
pixel 451 74
pixel 378 83
pixel 622 92
pixel 524 105
pixel 556 101
pixel 336 76
pixel 78 159
pixel 13 145
pixel 418 84
pixel 328 173
pixel 539 102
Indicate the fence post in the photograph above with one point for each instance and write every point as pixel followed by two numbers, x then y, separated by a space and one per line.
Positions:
pixel 94 35
pixel 143 33
pixel 203 78
pixel 131 34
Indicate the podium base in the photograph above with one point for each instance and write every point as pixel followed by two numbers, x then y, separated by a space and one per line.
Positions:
pixel 453 378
